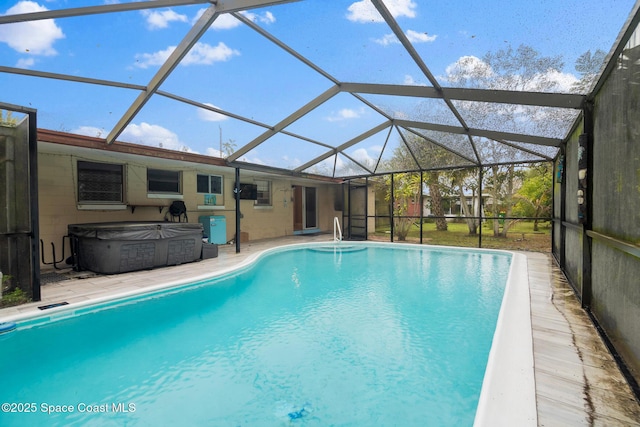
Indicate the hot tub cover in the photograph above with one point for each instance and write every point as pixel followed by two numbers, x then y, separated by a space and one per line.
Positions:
pixel 138 230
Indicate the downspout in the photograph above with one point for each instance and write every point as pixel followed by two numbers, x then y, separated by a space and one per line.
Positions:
pixel 237 193
pixel 391 203
pixel 349 213
pixel 480 203
pixel 366 208
pixel 421 204
pixel 35 211
pixel 586 141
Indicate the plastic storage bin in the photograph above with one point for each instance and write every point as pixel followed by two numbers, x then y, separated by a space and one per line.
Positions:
pixel 215 228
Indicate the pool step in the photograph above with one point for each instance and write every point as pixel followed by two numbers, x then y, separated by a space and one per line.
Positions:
pixel 337 249
pixel 6 327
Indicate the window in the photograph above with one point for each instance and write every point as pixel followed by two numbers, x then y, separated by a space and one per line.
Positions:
pixel 162 181
pixel 100 182
pixel 211 184
pixel 264 193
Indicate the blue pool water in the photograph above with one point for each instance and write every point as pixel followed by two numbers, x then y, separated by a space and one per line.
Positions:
pixel 313 337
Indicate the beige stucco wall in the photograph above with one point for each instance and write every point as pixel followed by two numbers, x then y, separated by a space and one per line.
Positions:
pixel 261 222
pixel 58 205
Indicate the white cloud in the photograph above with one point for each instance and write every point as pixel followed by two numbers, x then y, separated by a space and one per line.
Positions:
pixel 345 114
pixel 153 136
pixel 563 81
pixel 146 60
pixel 25 63
pixel 343 166
pixel 410 81
pixel 210 116
pixel 265 18
pixel 468 67
pixel 157 20
pixel 387 39
pixel 36 37
pixel 255 160
pixel 413 36
pixel 213 152
pixel 200 54
pixel 401 115
pixel 418 37
pixel 227 21
pixel 205 54
pixel 364 11
pixel 291 163
pixel 325 167
pixel 376 150
pixel 89 131
pixel 361 155
pixel 472 68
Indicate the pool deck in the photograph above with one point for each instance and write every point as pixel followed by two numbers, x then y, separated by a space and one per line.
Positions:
pixel 577 380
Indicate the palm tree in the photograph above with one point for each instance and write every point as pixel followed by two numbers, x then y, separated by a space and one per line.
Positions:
pixel 535 193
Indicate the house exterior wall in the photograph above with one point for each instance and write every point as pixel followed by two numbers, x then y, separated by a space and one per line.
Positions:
pixel 59 207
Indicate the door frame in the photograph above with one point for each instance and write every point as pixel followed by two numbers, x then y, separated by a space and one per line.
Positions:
pixel 300 209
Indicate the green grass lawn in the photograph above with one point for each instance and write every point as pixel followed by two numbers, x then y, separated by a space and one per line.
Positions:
pixel 520 237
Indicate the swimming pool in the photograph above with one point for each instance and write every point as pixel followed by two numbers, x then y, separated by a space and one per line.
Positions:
pixel 304 337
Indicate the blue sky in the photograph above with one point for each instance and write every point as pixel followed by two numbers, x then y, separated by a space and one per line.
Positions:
pixel 237 70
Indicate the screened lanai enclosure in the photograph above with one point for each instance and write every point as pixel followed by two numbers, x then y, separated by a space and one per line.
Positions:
pixel 517 124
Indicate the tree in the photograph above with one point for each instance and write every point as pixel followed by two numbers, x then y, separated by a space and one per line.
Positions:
pixel 513 69
pixel 407 190
pixel 228 148
pixel 588 67
pixel 435 199
pixel 430 157
pixel 521 69
pixel 501 184
pixel 7 119
pixel 534 196
pixel 465 179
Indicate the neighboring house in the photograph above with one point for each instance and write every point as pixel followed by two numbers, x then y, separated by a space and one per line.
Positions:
pixel 452 206
pixel 83 180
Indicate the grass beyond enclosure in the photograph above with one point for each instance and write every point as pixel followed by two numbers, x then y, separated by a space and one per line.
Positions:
pixel 520 237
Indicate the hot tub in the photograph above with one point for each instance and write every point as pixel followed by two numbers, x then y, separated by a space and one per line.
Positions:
pixel 119 247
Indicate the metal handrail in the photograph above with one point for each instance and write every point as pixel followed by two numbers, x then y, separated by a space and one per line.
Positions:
pixel 337 232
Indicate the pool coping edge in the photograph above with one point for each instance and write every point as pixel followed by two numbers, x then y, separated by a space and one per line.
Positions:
pixel 508 393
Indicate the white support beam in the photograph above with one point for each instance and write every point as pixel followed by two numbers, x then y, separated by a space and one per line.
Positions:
pixel 532 152
pixel 404 40
pixel 319 100
pixel 169 65
pixel 439 144
pixel 355 162
pixel 540 99
pixel 285 47
pixel 344 146
pixel 70 78
pixel 95 10
pixel 235 116
pixel 316 160
pixel 226 6
pixel 280 171
pixel 17 108
pixel 495 135
pixel 210 108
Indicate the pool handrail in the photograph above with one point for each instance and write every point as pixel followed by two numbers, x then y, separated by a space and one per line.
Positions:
pixel 337 231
